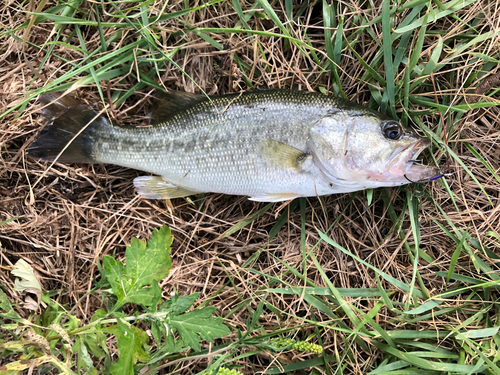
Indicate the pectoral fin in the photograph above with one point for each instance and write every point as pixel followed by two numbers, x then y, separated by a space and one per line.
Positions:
pixel 281 155
pixel 278 197
pixel 155 187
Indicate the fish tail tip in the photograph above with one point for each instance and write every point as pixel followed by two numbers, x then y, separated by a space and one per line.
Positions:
pixel 62 138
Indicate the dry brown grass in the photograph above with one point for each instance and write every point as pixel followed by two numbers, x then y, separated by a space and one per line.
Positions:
pixel 69 216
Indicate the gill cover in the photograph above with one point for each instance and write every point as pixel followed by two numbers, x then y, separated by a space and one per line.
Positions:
pixel 331 145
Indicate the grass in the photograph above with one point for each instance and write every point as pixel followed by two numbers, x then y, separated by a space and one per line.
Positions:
pixel 393 281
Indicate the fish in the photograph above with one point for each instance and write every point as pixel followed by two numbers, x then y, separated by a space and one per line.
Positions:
pixel 269 145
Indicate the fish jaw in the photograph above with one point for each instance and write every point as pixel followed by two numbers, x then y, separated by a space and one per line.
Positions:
pixel 421 173
pixel 399 170
pixel 402 169
pixel 402 158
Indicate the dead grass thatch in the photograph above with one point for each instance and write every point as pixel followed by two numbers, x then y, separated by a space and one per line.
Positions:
pixel 69 216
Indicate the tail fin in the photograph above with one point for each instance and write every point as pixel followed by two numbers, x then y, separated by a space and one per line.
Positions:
pixel 65 119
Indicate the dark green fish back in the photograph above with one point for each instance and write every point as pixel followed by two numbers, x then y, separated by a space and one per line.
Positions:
pixel 204 131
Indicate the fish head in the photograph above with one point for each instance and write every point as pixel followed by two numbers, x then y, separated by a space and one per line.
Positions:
pixel 360 149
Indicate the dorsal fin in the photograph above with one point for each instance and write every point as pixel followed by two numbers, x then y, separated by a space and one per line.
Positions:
pixel 167 104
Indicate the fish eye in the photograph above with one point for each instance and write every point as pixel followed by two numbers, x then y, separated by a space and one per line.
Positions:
pixel 392 130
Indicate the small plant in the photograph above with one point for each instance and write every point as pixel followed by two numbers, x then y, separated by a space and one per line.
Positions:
pixel 279 344
pixel 224 371
pixel 55 338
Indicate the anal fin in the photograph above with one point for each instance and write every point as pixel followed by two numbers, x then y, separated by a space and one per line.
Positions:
pixel 155 187
pixel 276 197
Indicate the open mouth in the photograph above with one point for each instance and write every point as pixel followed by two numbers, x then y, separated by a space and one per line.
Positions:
pixel 404 164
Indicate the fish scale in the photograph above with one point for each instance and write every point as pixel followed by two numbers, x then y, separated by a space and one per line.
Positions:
pixel 270 145
pixel 215 144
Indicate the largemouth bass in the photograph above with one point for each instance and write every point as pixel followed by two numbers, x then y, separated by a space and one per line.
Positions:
pixel 271 145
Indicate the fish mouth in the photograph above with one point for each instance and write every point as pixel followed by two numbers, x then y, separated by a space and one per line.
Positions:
pixel 402 168
pixel 403 163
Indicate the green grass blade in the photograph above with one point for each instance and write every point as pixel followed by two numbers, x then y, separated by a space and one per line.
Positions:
pixel 423 363
pixel 268 9
pixel 432 16
pixel 454 259
pixel 388 99
pixel 243 223
pixel 385 276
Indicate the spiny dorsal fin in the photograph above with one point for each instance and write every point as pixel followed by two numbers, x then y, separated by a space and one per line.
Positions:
pixel 167 104
pixel 281 155
pixel 155 187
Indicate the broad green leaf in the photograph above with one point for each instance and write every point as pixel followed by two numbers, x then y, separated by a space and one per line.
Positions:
pixel 28 281
pixel 178 304
pixel 114 270
pixel 94 343
pixel 6 310
pixel 130 344
pixel 152 263
pixel 145 266
pixel 199 324
pixel 84 361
